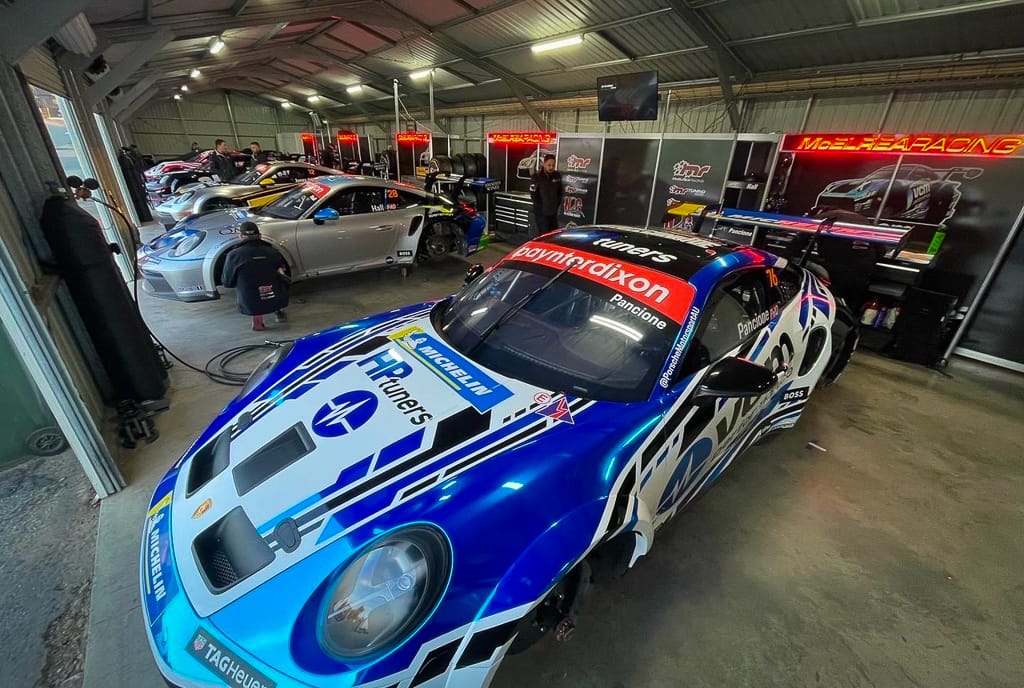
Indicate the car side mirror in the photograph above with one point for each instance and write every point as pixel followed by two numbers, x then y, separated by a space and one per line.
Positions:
pixel 325 215
pixel 474 271
pixel 267 182
pixel 733 378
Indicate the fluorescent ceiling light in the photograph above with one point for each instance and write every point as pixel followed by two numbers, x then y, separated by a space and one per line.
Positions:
pixel 195 73
pixel 354 89
pixel 555 45
pixel 286 105
pixel 313 98
pixel 216 45
pixel 420 74
pixel 184 87
pixel 177 96
pixel 617 327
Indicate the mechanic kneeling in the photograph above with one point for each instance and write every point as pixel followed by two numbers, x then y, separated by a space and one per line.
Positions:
pixel 259 275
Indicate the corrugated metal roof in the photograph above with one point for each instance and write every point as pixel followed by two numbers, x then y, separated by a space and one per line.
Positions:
pixel 416 53
pixel 431 13
pixel 594 49
pixel 533 21
pixel 747 18
pixel 869 9
pixel 654 35
pixel 993 30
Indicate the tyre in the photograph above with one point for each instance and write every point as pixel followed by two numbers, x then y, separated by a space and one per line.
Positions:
pixel 440 163
pixel 468 164
pixel 481 164
pixel 46 441
pixel 457 167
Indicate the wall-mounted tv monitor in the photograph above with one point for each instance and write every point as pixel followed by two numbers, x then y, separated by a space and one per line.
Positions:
pixel 627 97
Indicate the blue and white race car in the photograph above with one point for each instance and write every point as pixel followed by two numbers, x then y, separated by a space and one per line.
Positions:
pixel 401 501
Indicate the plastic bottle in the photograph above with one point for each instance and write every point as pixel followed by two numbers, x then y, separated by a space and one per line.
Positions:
pixel 883 311
pixel 891 317
pixel 870 312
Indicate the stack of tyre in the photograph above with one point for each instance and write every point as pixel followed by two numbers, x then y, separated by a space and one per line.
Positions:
pixel 468 164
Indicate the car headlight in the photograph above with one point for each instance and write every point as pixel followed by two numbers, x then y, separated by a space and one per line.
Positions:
pixel 261 371
pixel 385 594
pixel 188 244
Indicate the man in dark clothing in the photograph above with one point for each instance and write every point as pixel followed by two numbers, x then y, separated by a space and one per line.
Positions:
pixel 220 163
pixel 257 156
pixel 259 274
pixel 546 191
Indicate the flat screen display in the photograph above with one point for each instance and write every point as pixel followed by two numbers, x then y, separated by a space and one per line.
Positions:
pixel 627 97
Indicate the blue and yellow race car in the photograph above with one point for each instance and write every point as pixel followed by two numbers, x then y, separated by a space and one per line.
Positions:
pixel 403 500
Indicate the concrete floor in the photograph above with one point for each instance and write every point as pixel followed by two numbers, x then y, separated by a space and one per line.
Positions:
pixel 892 559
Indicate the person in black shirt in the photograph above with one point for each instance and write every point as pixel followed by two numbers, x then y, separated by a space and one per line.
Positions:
pixel 257 156
pixel 220 163
pixel 546 192
pixel 259 274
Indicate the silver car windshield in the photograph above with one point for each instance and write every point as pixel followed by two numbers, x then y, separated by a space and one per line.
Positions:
pixel 293 204
pixel 573 337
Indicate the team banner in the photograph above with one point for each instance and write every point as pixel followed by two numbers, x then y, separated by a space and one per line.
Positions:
pixel 627 175
pixel 579 159
pixel 690 171
pixel 656 290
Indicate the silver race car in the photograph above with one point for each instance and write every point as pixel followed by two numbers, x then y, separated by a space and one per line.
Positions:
pixel 253 188
pixel 324 226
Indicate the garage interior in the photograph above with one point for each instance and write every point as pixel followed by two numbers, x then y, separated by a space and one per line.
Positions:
pixel 877 543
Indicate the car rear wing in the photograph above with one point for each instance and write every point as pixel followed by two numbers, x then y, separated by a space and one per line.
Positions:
pixel 876 234
pixel 458 182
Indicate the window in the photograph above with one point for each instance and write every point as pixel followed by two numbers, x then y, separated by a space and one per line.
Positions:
pixel 358 201
pixel 285 176
pixel 788 282
pixel 736 312
pixel 399 199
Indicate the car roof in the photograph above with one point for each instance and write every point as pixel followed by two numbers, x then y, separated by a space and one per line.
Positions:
pixel 335 180
pixel 690 251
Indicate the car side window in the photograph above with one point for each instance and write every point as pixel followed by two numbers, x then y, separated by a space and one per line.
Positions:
pixel 358 201
pixel 399 199
pixel 787 280
pixel 736 312
pixel 283 176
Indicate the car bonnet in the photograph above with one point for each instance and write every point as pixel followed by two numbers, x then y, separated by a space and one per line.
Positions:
pixel 347 428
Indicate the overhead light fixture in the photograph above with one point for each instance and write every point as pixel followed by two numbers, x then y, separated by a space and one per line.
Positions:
pixel 555 45
pixel 195 73
pixel 313 98
pixel 177 96
pixel 354 89
pixel 216 45
pixel 286 105
pixel 184 87
pixel 420 74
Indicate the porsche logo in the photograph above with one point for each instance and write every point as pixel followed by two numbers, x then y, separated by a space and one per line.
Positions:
pixel 202 508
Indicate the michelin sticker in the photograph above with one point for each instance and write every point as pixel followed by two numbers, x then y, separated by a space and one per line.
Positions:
pixel 158 589
pixel 471 383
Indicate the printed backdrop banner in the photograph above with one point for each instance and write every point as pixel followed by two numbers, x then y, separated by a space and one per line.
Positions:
pixel 627 173
pixel 690 171
pixel 579 159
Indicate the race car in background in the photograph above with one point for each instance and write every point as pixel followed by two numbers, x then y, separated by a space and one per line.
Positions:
pixel 189 162
pixel 252 188
pixel 324 226
pixel 405 499
pixel 919 193
pixel 169 182
pixel 529 165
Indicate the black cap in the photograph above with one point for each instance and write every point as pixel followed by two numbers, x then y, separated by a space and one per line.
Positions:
pixel 249 229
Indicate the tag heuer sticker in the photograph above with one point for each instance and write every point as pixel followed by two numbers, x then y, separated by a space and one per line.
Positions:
pixel 228 666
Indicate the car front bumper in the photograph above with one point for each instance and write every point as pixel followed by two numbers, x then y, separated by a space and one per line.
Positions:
pixel 176 280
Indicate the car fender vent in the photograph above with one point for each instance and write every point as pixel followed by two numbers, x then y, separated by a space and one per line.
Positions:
pixel 230 551
pixel 208 462
pixel 273 457
pixel 415 224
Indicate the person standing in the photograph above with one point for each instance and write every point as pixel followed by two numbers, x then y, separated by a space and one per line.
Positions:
pixel 257 156
pixel 259 275
pixel 546 192
pixel 220 163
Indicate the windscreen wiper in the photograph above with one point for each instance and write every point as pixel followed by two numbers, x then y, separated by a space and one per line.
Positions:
pixel 516 307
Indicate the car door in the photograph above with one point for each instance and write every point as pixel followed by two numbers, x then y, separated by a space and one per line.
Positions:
pixel 362 235
pixel 700 440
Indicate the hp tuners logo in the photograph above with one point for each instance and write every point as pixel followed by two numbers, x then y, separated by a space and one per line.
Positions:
pixel 344 414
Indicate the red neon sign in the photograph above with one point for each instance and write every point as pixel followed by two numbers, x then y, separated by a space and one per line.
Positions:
pixel 413 137
pixel 347 137
pixel 916 144
pixel 532 138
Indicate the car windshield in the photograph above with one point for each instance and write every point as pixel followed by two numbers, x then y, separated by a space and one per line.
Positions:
pixel 248 177
pixel 293 204
pixel 576 336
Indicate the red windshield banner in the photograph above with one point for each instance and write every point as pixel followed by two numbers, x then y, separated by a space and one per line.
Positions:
pixel 670 296
pixel 317 189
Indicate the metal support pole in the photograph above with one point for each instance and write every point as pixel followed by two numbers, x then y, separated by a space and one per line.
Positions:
pixel 398 126
pixel 184 127
pixel 231 118
pixel 664 122
pixel 888 189
pixel 433 126
pixel 885 111
pixel 807 114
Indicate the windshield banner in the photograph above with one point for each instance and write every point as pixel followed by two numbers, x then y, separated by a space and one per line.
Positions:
pixel 658 291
